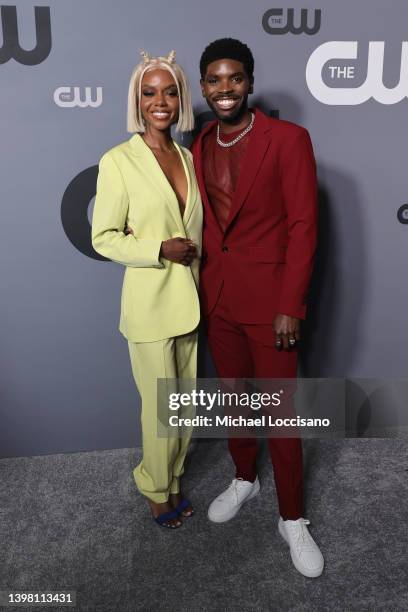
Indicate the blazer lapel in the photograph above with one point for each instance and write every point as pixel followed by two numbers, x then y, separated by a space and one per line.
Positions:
pixel 254 154
pixel 158 179
pixel 198 165
pixel 192 185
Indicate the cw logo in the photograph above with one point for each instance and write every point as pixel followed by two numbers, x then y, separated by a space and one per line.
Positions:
pixel 272 22
pixel 74 211
pixel 373 86
pixel 11 46
pixel 68 97
pixel 402 214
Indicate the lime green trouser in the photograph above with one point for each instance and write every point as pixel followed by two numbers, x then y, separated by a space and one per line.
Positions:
pixel 158 474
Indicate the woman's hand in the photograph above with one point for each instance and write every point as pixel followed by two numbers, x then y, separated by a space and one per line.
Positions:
pixel 178 250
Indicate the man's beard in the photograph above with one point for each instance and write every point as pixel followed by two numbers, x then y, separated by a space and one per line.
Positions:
pixel 234 117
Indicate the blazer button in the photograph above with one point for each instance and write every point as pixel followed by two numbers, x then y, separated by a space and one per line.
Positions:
pixel 225 249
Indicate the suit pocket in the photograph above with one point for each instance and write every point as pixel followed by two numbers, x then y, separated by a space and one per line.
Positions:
pixel 266 254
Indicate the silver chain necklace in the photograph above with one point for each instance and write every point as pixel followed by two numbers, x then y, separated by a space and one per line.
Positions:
pixel 238 138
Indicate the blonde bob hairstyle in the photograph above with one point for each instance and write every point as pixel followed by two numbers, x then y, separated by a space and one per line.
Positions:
pixel 135 121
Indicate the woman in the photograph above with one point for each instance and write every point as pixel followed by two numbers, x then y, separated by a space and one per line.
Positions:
pixel 147 184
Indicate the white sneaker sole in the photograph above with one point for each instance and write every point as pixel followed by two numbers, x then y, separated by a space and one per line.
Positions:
pixel 300 568
pixel 230 515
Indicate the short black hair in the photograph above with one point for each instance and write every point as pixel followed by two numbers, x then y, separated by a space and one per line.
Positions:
pixel 228 48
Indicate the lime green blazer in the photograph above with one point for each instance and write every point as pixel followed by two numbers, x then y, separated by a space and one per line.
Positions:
pixel 159 297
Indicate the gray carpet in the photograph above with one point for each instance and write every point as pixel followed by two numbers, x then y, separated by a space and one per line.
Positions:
pixel 75 521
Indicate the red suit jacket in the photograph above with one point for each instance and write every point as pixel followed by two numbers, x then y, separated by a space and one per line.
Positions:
pixel 264 258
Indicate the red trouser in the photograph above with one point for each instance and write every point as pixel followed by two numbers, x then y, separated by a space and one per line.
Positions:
pixel 248 351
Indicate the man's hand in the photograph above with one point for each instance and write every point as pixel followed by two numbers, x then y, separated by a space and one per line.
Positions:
pixel 178 250
pixel 287 331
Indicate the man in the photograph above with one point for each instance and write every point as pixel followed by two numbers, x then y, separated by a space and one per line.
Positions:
pixel 257 178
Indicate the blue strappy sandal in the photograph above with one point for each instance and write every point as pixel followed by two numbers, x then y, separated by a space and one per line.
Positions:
pixel 167 516
pixel 183 505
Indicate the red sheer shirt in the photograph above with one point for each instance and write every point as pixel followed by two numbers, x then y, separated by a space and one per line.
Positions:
pixel 222 167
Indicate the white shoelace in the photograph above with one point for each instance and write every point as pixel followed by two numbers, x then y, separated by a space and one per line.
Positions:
pixel 233 488
pixel 304 541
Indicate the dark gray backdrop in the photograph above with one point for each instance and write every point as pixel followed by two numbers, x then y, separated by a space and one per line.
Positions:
pixel 66 382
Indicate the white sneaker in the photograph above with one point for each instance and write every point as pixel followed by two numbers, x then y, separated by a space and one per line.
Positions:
pixel 227 505
pixel 305 553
